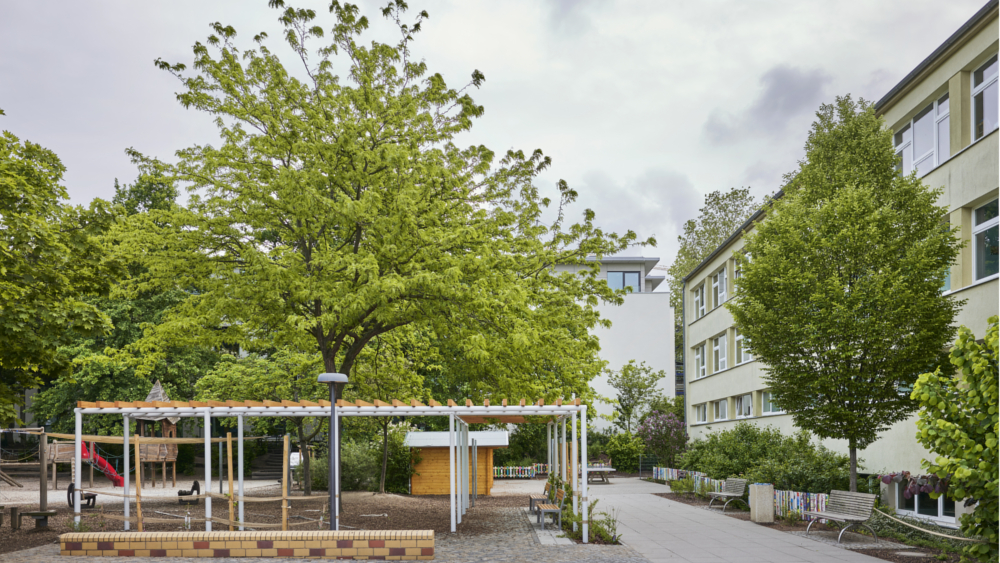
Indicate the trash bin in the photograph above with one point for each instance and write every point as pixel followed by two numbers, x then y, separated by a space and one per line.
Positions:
pixel 762 503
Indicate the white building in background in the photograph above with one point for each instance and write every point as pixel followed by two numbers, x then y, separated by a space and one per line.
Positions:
pixel 642 328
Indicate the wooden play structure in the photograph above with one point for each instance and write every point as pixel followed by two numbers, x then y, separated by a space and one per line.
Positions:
pixel 162 454
pixel 432 471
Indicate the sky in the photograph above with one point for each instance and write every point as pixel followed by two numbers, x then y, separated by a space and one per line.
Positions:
pixel 644 106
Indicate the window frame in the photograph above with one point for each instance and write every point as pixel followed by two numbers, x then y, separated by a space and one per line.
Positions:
pixel 769 402
pixel 976 90
pixel 976 229
pixel 638 284
pixel 719 292
pixel 743 355
pixel 725 410
pixel 701 413
pixel 933 109
pixel 700 367
pixel 915 513
pixel 719 353
pixel 740 402
pixel 699 301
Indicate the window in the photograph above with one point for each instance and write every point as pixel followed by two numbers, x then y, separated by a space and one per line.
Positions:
pixel 701 413
pixel 985 240
pixel 719 353
pixel 721 409
pixel 923 505
pixel 719 288
pixel 622 280
pixel 984 99
pixel 925 142
pixel 742 353
pixel 744 406
pixel 767 405
pixel 699 301
pixel 699 362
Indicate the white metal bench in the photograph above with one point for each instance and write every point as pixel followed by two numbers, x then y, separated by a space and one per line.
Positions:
pixel 854 509
pixel 554 510
pixel 733 489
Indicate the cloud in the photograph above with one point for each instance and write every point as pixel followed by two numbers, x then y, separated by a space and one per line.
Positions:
pixel 786 93
pixel 569 16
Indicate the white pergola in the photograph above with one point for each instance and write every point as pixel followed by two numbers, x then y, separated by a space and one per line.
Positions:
pixel 459 418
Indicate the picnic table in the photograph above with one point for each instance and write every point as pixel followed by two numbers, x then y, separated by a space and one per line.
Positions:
pixel 599 473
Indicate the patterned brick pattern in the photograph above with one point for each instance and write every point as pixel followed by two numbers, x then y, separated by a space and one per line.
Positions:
pixel 385 545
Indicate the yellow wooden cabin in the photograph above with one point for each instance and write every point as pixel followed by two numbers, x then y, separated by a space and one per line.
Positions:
pixel 431 476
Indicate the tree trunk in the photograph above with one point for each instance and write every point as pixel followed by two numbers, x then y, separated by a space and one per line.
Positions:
pixel 304 460
pixel 385 454
pixel 854 466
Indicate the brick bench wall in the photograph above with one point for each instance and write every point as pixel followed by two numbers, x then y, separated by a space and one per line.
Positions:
pixel 384 545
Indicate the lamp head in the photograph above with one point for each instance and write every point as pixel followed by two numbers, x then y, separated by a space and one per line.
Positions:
pixel 332 378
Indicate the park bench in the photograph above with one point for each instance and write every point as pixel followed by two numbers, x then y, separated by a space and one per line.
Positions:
pixel 41 518
pixel 854 509
pixel 87 500
pixel 733 489
pixel 554 510
pixel 532 499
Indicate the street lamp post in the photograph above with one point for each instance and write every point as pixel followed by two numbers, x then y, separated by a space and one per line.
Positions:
pixel 333 460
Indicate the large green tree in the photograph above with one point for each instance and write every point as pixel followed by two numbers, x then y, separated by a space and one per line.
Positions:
pixel 637 387
pixel 840 293
pixel 720 217
pixel 959 422
pixel 336 209
pixel 51 259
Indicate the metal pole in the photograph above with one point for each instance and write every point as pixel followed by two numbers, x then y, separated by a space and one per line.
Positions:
pixel 43 475
pixel 562 451
pixel 548 448
pixel 78 473
pixel 332 439
pixel 583 466
pixel 128 475
pixel 208 469
pixel 576 468
pixel 220 467
pixel 475 472
pixel 336 469
pixel 239 463
pixel 451 468
pixel 461 470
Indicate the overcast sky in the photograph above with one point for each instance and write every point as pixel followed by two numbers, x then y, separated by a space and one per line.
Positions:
pixel 644 107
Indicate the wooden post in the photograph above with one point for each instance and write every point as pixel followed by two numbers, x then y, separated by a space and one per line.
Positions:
pixel 163 472
pixel 174 485
pixel 229 464
pixel 284 488
pixel 138 484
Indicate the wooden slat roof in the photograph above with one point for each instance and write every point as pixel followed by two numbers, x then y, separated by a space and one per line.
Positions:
pixel 284 404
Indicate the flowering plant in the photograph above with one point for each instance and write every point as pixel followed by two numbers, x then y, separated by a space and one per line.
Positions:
pixel 665 436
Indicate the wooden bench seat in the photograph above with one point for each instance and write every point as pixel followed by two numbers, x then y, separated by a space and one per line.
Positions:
pixel 553 509
pixel 854 509
pixel 732 490
pixel 547 496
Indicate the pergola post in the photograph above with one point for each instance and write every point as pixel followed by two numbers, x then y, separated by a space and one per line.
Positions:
pixel 127 473
pixel 335 421
pixel 548 448
pixel 583 467
pixel 451 468
pixel 575 469
pixel 562 451
pixel 239 462
pixel 208 469
pixel 78 472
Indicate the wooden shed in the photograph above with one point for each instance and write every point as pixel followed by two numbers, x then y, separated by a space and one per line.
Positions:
pixel 431 476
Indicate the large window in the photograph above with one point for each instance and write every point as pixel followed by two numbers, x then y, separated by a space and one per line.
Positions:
pixel 742 353
pixel 924 142
pixel 699 301
pixel 719 288
pixel 721 409
pixel 744 406
pixel 941 508
pixel 622 280
pixel 984 99
pixel 985 240
pixel 719 353
pixel 701 413
pixel 767 405
pixel 699 362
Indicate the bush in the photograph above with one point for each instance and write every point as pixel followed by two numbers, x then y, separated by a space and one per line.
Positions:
pixel 624 450
pixel 358 466
pixel 685 485
pixel 664 436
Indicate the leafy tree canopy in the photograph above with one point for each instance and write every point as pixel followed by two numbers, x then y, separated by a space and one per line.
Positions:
pixel 959 422
pixel 50 260
pixel 637 389
pixel 840 296
pixel 337 209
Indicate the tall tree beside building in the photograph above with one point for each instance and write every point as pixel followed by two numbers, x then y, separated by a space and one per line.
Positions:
pixel 637 389
pixel 840 293
pixel 722 214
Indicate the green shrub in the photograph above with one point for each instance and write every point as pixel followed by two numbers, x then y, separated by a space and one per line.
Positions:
pixel 685 485
pixel 624 450
pixel 361 465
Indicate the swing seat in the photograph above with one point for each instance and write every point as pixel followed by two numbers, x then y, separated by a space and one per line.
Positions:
pixel 195 491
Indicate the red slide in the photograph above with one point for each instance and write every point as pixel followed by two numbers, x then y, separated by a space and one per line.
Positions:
pixel 102 465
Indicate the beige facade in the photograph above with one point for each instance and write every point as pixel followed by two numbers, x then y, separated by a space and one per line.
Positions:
pixel 952 95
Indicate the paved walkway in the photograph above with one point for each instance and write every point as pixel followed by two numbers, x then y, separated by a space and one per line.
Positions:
pixel 666 531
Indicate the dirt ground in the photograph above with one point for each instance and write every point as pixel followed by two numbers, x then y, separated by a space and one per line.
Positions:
pixel 362 510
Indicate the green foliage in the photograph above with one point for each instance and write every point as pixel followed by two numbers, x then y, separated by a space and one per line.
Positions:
pixel 526 446
pixel 685 485
pixel 958 421
pixel 637 388
pixel 792 517
pixel 338 209
pixel 624 450
pixel 722 214
pixel 841 299
pixel 361 462
pixel 51 260
pixel 891 530
pixel 602 528
pixel 765 455
pixel 666 405
pixel 665 436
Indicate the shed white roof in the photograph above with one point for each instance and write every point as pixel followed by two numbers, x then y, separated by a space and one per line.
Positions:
pixel 490 439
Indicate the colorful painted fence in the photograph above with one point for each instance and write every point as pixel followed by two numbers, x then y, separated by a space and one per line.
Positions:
pixel 787 501
pixel 514 472
pixel 670 474
pixel 541 468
